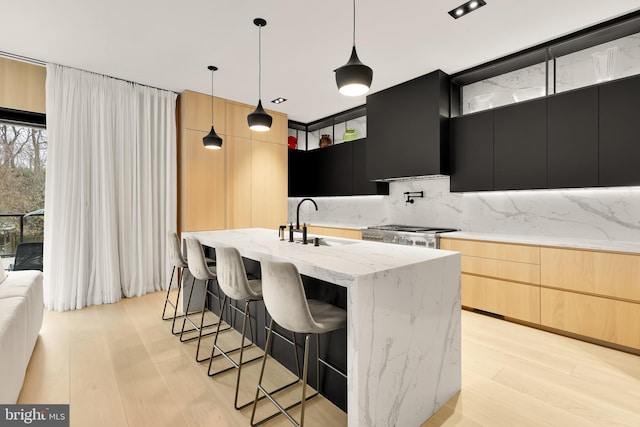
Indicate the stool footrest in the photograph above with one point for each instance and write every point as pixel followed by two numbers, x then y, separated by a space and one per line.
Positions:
pixel 225 354
pixel 170 317
pixel 203 335
pixel 281 409
pixel 333 368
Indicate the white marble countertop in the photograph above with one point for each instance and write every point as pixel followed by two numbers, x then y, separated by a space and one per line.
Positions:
pixel 565 242
pixel 403 318
pixel 341 262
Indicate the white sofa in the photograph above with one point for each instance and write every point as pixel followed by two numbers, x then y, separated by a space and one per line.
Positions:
pixel 21 313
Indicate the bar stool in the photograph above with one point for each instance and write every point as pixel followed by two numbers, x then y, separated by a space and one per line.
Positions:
pixel 200 270
pixel 286 302
pixel 177 261
pixel 234 283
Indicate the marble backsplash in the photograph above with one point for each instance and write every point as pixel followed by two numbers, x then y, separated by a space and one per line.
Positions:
pixel 594 213
pixel 351 212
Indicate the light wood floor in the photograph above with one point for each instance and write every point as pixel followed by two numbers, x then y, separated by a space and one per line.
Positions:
pixel 118 365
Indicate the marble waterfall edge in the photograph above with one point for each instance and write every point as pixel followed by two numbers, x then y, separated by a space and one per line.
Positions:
pixel 408 362
pixel 403 319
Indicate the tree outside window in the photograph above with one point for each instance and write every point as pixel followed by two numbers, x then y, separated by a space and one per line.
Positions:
pixel 23 157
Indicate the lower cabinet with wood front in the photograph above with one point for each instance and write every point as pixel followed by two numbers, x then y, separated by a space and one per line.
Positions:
pixel 347 233
pixel 597 317
pixel 593 294
pixel 499 278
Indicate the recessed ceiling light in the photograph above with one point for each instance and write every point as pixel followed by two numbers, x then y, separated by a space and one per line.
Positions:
pixel 469 6
pixel 278 100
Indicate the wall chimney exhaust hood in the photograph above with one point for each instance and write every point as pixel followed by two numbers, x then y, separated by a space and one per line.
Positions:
pixel 408 129
pixel 412 178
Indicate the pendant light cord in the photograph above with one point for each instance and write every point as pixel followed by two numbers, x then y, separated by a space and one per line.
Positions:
pixel 354 23
pixel 212 71
pixel 259 62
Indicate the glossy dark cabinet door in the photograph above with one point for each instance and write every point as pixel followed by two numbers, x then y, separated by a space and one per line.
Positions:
pixel 620 132
pixel 361 185
pixel 337 170
pixel 302 177
pixel 572 139
pixel 472 152
pixel 520 146
pixel 334 171
pixel 407 128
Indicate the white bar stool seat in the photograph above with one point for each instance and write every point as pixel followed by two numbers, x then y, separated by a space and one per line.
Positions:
pixel 285 300
pixel 178 262
pixel 199 269
pixel 234 283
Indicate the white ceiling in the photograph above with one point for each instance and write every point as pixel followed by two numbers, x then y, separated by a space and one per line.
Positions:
pixel 168 43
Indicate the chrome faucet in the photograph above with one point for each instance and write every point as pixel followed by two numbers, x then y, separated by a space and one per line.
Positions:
pixel 298 211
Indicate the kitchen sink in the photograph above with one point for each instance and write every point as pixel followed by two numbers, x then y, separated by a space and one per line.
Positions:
pixel 332 242
pixel 323 241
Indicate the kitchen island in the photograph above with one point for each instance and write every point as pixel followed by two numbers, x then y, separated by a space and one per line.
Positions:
pixel 403 318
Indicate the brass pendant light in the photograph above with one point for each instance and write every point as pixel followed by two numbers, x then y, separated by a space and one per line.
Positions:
pixel 212 141
pixel 259 120
pixel 354 78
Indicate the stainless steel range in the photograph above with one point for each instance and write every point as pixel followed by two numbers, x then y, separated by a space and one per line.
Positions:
pixel 410 235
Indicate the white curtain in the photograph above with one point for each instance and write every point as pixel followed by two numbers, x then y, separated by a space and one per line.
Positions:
pixel 110 188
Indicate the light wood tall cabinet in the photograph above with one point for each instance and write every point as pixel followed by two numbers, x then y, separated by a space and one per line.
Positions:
pixel 22 86
pixel 242 185
pixel 202 186
pixel 499 278
pixel 257 171
pixel 269 179
pixel 201 172
pixel 239 173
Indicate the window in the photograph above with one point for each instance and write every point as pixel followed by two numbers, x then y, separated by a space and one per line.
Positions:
pixel 23 157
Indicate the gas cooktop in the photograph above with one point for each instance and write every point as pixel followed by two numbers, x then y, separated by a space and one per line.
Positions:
pixel 410 235
pixel 411 228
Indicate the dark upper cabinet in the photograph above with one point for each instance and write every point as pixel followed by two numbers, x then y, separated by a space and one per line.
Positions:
pixel 619 132
pixel 520 146
pixel 337 170
pixel 302 176
pixel 407 128
pixel 472 152
pixel 361 185
pixel 334 171
pixel 572 139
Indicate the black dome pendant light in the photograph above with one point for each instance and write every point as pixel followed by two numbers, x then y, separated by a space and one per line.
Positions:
pixel 259 120
pixel 212 141
pixel 354 78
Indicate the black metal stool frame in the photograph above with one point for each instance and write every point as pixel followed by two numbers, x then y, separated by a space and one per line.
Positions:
pixel 202 325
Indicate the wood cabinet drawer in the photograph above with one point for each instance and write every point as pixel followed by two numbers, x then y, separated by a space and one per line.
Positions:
pixel 509 270
pixel 596 317
pixel 501 251
pixel 599 273
pixel 312 229
pixel 347 233
pixel 510 299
